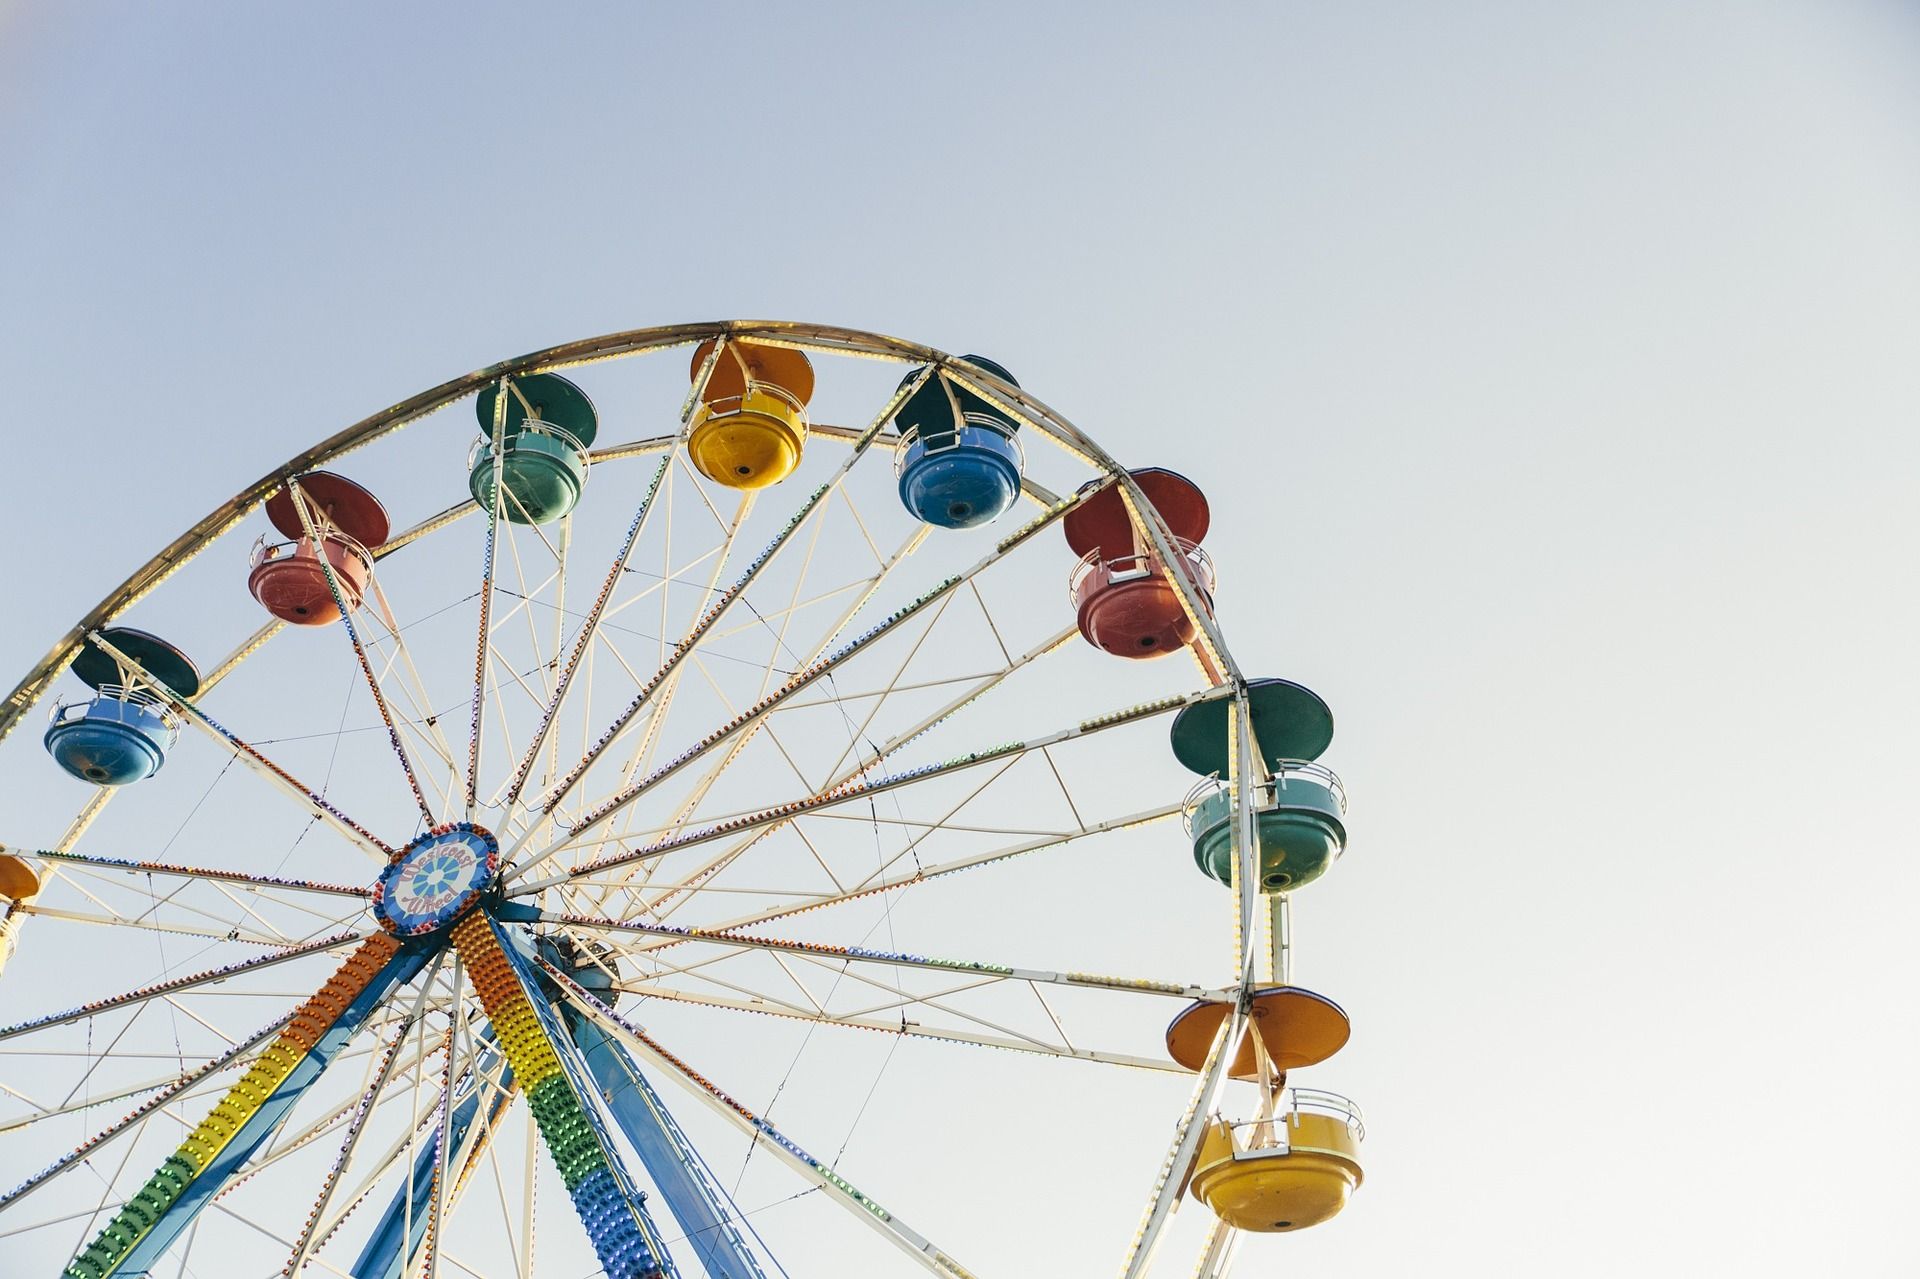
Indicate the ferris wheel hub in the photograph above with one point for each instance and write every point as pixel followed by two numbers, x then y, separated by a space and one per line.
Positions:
pixel 436 879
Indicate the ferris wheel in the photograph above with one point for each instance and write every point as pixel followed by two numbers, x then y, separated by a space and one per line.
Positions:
pixel 725 640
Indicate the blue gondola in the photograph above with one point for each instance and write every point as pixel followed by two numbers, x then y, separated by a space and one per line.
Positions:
pixel 959 462
pixel 122 733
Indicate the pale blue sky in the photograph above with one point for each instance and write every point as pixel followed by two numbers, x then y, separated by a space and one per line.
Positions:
pixel 1551 370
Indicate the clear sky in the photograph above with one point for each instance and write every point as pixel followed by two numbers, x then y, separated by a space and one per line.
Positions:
pixel 1551 370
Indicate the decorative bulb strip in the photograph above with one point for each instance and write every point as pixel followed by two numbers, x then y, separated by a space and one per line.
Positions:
pixel 223 1140
pixel 528 1031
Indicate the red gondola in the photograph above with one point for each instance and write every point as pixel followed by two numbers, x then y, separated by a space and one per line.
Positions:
pixel 288 578
pixel 1121 595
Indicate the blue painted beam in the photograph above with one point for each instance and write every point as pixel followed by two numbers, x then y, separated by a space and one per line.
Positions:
pixel 381 1257
pixel 704 1217
pixel 146 1251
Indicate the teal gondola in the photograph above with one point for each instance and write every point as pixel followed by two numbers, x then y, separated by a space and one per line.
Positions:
pixel 548 427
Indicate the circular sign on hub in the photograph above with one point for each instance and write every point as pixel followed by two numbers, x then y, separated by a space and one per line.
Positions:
pixel 436 879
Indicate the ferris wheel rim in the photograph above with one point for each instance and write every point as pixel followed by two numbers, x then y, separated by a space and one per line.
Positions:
pixel 222 519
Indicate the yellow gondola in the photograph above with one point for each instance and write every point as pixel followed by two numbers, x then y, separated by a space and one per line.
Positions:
pixel 751 425
pixel 1288 1171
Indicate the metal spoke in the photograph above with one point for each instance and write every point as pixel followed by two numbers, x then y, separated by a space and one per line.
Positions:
pixel 402 1145
pixel 368 1099
pixel 119 1094
pixel 1091 981
pixel 485 641
pixel 301 504
pixel 761 1003
pixel 72 877
pixel 433 737
pixel 866 886
pixel 143 993
pixel 88 1102
pixel 897 998
pixel 1164 1199
pixel 443 1141
pixel 233 1132
pixel 1246 838
pixel 200 873
pixel 1216 1252
pixel 116 921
